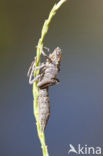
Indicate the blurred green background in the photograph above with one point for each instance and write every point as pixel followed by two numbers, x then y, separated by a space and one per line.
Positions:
pixel 77 102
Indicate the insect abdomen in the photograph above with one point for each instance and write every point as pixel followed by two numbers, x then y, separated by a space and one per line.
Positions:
pixel 44 107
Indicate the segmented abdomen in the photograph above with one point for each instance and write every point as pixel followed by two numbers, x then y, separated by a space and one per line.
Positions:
pixel 44 107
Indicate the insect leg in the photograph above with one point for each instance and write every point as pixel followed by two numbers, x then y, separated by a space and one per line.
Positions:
pixel 44 54
pixel 46 48
pixel 31 66
pixel 39 67
pixel 31 81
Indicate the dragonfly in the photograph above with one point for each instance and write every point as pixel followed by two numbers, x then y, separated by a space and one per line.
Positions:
pixel 46 78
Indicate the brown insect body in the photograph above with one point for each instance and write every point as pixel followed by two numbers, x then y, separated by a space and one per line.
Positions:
pixel 46 78
pixel 51 69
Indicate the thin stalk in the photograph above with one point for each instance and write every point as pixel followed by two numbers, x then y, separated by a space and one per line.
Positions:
pixel 44 31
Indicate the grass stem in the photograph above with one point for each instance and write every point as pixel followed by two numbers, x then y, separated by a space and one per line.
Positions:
pixel 44 31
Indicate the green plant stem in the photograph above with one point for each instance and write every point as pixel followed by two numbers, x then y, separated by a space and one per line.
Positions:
pixel 44 31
